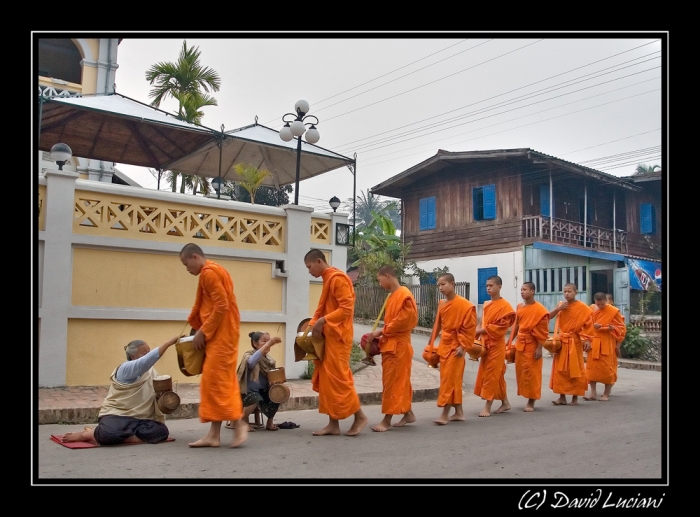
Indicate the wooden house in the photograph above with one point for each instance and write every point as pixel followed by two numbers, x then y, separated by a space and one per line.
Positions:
pixel 528 216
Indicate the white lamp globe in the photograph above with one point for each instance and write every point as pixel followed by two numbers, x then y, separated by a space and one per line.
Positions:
pixel 286 133
pixel 301 107
pixel 297 128
pixel 312 135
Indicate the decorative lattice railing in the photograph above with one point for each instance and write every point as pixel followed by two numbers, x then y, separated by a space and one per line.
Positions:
pixel 321 231
pixel 111 215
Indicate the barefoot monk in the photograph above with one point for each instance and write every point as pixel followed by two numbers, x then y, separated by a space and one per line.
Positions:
pixel 576 326
pixel 498 317
pixel 333 320
pixel 531 330
pixel 610 331
pixel 456 325
pixel 397 352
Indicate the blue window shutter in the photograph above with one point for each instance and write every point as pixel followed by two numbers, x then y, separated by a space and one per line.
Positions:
pixel 423 214
pixel 647 214
pixel 483 274
pixel 489 201
pixel 431 212
pixel 544 200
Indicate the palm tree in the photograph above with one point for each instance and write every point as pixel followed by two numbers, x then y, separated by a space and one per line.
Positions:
pixel 252 178
pixel 367 203
pixel 184 81
pixel 643 168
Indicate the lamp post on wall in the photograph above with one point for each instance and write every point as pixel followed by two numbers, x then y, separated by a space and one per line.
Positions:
pixel 295 128
pixel 334 202
pixel 61 153
pixel 216 183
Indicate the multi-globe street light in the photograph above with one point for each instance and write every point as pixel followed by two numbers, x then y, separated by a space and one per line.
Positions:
pixel 296 128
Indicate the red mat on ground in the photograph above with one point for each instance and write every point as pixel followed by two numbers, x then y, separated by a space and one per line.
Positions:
pixel 85 445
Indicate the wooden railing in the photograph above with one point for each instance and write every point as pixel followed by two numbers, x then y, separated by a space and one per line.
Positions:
pixel 561 231
pixel 369 300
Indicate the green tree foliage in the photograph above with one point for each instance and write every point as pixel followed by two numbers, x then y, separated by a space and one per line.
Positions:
pixel 265 195
pixel 643 168
pixel 189 83
pixel 251 178
pixel 367 203
pixel 377 244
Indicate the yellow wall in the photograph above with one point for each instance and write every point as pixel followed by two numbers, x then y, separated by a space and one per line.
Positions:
pixel 96 347
pixel 107 278
pixel 314 296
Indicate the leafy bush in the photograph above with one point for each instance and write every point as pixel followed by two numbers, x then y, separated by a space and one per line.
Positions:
pixel 634 344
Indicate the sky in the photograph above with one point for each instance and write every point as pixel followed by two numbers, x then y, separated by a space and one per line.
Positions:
pixel 591 98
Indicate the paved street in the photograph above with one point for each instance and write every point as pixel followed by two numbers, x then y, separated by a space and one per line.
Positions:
pixel 605 441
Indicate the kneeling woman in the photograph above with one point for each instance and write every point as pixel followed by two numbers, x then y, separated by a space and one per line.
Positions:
pixel 252 377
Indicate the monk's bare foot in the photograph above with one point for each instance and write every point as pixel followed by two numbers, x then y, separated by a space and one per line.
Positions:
pixel 408 418
pixel 380 427
pixel 505 406
pixel 441 421
pixel 240 436
pixel 205 442
pixel 561 401
pixel 574 401
pixel 529 409
pixel 590 398
pixel 457 417
pixel 330 429
pixel 357 426
pixel 604 398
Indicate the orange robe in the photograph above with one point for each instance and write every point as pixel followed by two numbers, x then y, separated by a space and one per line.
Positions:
pixel 215 313
pixel 568 369
pixel 490 381
pixel 533 329
pixel 397 352
pixel 457 319
pixel 601 361
pixel 332 377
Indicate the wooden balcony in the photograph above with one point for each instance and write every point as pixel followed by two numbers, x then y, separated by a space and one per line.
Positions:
pixel 570 233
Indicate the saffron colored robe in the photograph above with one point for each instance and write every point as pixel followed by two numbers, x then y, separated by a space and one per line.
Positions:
pixel 568 369
pixel 215 313
pixel 332 377
pixel 532 329
pixel 400 318
pixel 601 360
pixel 457 320
pixel 490 383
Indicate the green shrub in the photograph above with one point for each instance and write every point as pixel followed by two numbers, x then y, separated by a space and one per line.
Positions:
pixel 634 345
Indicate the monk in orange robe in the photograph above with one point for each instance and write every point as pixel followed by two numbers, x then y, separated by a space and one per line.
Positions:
pixel 531 330
pixel 333 320
pixel 601 361
pixel 576 333
pixel 498 317
pixel 400 318
pixel 217 322
pixel 456 325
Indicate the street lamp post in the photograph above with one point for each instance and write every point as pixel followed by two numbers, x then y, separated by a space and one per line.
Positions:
pixel 61 153
pixel 296 127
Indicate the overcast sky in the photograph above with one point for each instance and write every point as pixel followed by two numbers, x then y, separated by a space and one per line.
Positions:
pixel 593 99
